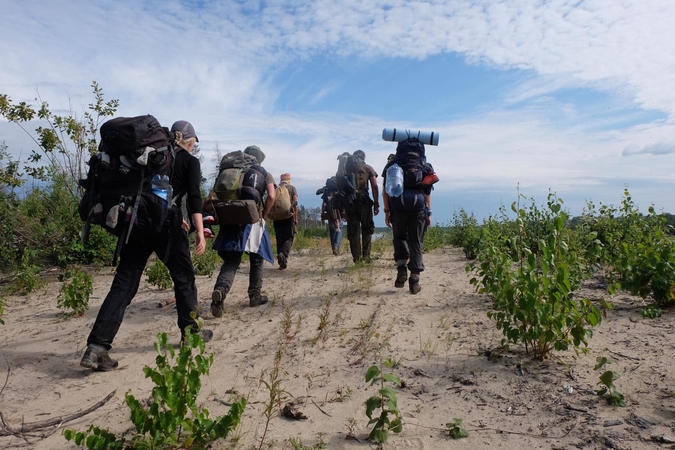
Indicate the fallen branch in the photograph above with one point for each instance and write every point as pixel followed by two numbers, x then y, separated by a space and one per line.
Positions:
pixel 321 409
pixel 624 356
pixel 57 421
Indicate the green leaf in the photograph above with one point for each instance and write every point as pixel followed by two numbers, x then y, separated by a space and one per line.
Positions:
pixel 372 372
pixel 392 378
pixel 372 404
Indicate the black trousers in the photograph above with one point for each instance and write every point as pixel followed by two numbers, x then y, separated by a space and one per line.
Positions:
pixel 133 258
pixel 284 230
pixel 408 230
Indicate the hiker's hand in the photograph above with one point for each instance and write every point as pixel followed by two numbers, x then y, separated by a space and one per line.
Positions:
pixel 387 219
pixel 428 222
pixel 201 243
pixel 185 226
pixel 376 209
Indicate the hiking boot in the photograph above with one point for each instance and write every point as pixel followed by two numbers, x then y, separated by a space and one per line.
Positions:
pixel 217 298
pixel 283 260
pixel 257 300
pixel 402 277
pixel 336 251
pixel 205 335
pixel 96 358
pixel 414 286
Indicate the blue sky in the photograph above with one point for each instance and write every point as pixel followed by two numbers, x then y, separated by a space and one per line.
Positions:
pixel 574 97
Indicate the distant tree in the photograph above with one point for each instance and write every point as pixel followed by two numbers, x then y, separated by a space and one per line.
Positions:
pixel 66 142
pixel 309 217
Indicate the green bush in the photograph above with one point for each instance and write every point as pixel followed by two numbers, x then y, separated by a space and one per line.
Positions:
pixel 637 250
pixel 172 419
pixel 74 294
pixel 532 283
pixel 206 263
pixel 437 236
pixel 466 233
pixel 27 278
pixel 158 275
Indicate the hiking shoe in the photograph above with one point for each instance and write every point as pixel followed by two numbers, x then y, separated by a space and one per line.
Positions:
pixel 402 277
pixel 217 307
pixel 258 300
pixel 414 286
pixel 283 260
pixel 96 358
pixel 336 251
pixel 205 335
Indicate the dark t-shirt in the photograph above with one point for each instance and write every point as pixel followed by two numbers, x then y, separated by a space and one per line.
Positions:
pixel 187 178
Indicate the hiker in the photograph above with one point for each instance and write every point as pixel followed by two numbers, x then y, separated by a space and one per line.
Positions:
pixel 409 213
pixel 232 241
pixel 285 228
pixel 360 224
pixel 172 239
pixel 332 212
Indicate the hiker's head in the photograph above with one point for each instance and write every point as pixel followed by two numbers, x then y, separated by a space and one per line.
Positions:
pixel 254 150
pixel 285 177
pixel 185 134
pixel 361 154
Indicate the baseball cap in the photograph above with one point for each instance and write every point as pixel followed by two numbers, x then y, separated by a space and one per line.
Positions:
pixel 186 128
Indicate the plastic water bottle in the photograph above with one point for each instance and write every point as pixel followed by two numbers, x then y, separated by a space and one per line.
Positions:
pixel 394 186
pixel 160 186
pixel 162 189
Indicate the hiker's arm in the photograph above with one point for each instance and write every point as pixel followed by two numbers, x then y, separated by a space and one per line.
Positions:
pixel 295 209
pixel 376 194
pixel 194 203
pixel 199 225
pixel 387 213
pixel 271 194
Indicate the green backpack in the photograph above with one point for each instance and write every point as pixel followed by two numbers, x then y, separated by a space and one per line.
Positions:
pixel 233 167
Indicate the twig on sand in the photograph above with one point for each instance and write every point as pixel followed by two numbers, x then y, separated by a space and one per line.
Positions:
pixel 321 409
pixel 624 356
pixel 55 422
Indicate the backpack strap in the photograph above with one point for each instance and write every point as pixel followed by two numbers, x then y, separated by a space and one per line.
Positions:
pixel 136 204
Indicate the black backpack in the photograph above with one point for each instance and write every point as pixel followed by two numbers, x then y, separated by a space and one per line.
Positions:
pixel 411 157
pixel 128 186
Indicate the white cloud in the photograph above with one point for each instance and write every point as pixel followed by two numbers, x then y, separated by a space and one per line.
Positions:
pixel 213 63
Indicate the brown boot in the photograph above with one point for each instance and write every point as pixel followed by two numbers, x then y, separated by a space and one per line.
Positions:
pixel 414 284
pixel 96 358
pixel 257 300
pixel 402 277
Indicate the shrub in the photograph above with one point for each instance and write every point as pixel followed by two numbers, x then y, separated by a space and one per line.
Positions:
pixel 466 233
pixel 172 419
pixel 158 275
pixel 531 285
pixel 74 294
pixel 205 263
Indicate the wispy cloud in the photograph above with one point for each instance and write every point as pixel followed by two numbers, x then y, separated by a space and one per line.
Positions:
pixel 662 148
pixel 216 64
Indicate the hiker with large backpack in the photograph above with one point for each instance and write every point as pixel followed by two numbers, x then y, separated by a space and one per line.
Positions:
pixel 131 187
pixel 241 213
pixel 353 186
pixel 332 212
pixel 408 182
pixel 284 214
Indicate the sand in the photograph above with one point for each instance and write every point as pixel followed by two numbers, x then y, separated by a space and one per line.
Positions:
pixel 346 319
